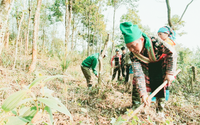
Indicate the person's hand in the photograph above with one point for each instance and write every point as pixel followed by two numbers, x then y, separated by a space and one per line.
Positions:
pixel 97 76
pixel 145 100
pixel 169 78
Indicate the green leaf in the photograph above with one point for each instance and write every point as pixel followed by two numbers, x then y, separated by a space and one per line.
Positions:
pixel 36 81
pixel 23 110
pixel 13 120
pixel 136 118
pixel 25 100
pixel 44 123
pixel 84 110
pixel 5 88
pixel 149 118
pixel 30 113
pixel 167 121
pixel 47 91
pixel 113 121
pixel 50 113
pixel 52 77
pixel 120 121
pixel 55 104
pixel 14 112
pixel 24 119
pixel 12 101
pixel 134 122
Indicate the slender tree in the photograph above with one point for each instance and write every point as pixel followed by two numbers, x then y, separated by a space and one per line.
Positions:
pixel 5 9
pixel 73 30
pixel 29 22
pixel 89 7
pixel 35 36
pixel 100 59
pixel 68 15
pixel 18 38
pixel 169 19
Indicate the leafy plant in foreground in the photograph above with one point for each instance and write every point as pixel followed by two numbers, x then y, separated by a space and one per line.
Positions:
pixel 25 114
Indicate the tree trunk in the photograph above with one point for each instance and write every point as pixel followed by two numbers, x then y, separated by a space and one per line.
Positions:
pixel 43 44
pixel 75 42
pixel 21 51
pixel 83 45
pixel 66 26
pixel 93 42
pixel 73 29
pixel 169 13
pixel 113 35
pixel 27 35
pixel 68 15
pixel 94 33
pixel 100 60
pixel 100 43
pixel 185 11
pixel 5 9
pixel 194 73
pixel 17 41
pixel 88 49
pixel 7 39
pixel 35 37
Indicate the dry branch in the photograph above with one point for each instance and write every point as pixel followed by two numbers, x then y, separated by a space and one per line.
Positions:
pixel 100 59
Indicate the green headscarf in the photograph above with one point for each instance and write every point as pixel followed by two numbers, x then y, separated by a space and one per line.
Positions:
pixel 132 32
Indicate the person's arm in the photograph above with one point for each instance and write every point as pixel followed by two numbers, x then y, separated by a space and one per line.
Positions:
pixel 94 65
pixel 127 59
pixel 112 60
pixel 139 78
pixel 120 59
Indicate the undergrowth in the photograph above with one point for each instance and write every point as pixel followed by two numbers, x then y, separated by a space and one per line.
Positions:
pixel 104 104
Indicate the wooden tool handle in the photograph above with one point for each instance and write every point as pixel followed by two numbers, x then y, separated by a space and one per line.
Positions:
pixel 153 94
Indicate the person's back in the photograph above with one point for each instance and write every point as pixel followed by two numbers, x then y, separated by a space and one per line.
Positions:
pixel 88 62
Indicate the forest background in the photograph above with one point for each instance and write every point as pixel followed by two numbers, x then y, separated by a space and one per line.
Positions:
pixel 41 40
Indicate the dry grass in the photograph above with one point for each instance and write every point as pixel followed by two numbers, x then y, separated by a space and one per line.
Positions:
pixel 96 106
